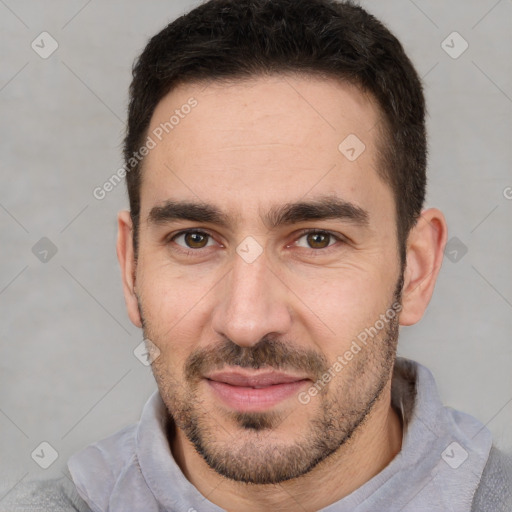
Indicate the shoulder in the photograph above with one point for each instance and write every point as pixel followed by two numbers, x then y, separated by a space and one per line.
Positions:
pixel 104 459
pixel 494 494
pixel 96 468
pixel 57 495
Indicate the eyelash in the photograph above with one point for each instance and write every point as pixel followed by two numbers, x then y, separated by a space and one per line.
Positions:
pixel 302 233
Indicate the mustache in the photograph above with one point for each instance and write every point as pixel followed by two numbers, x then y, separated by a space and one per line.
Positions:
pixel 267 353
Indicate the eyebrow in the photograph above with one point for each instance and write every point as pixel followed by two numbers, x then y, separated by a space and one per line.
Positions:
pixel 320 209
pixel 185 210
pixel 324 208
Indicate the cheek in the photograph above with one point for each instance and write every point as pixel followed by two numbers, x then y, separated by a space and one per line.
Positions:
pixel 337 307
pixel 174 308
pixel 168 289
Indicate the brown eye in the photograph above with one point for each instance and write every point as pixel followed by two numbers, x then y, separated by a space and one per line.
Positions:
pixel 196 240
pixel 318 240
pixel 192 239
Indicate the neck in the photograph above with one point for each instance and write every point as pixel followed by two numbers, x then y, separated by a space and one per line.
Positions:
pixel 371 448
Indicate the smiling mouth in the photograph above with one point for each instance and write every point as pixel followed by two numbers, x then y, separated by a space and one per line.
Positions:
pixel 254 391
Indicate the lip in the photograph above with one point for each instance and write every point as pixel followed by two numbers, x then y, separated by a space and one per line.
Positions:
pixel 254 380
pixel 252 392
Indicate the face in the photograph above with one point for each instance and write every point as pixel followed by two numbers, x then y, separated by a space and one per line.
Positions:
pixel 268 272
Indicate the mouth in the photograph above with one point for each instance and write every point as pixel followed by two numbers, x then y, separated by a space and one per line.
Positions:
pixel 254 391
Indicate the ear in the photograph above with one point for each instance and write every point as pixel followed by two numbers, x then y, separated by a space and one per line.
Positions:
pixel 425 249
pixel 126 258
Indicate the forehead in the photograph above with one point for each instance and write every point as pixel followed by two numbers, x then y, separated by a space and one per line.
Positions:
pixel 264 140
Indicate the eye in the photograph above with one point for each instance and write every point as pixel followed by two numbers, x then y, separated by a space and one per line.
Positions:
pixel 193 239
pixel 316 240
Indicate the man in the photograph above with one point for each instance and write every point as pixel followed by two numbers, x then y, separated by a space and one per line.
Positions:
pixel 276 239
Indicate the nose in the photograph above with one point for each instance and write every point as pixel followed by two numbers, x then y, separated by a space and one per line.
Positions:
pixel 252 302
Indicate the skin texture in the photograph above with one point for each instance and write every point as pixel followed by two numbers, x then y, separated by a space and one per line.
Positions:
pixel 249 148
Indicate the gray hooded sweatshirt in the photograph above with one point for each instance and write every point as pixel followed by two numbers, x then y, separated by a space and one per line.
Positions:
pixel 447 463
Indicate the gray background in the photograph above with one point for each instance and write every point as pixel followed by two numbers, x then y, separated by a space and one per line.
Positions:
pixel 68 374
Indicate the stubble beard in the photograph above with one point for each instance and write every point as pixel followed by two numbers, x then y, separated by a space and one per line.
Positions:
pixel 252 452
